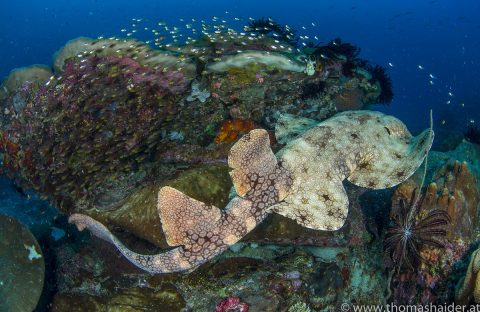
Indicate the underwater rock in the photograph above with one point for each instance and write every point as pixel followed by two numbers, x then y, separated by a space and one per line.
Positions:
pixel 349 99
pixel 265 277
pixel 138 214
pixel 98 122
pixel 163 299
pixel 327 281
pixel 22 267
pixel 24 78
pixel 112 97
pixel 367 148
pixel 452 188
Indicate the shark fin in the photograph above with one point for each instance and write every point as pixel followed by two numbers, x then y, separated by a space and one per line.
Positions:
pixel 256 172
pixel 183 216
pixel 289 127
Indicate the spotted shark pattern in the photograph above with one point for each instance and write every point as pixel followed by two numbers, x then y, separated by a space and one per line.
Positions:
pixel 303 181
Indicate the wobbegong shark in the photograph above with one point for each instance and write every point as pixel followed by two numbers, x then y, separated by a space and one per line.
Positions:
pixel 303 181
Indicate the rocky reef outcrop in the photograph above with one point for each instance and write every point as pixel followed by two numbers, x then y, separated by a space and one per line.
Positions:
pixel 115 119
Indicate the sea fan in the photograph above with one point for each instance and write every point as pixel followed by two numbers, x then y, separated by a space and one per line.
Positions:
pixel 409 234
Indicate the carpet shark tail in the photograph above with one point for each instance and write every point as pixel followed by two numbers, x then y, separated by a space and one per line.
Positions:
pixel 167 262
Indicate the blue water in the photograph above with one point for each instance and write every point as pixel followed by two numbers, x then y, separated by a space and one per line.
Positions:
pixel 440 35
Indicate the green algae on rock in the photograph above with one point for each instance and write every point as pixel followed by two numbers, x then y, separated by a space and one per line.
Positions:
pixel 22 267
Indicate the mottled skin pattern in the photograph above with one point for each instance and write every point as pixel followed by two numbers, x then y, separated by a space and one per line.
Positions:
pixel 369 149
pixel 303 182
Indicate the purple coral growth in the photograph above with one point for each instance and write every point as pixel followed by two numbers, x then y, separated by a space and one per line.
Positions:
pixel 231 304
pixel 103 116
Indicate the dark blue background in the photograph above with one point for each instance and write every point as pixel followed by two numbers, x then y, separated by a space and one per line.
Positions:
pixel 441 35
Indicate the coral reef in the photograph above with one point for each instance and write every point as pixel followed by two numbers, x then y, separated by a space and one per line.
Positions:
pixel 349 99
pixel 470 286
pixel 112 96
pixel 272 60
pixel 164 299
pixel 336 50
pixel 79 134
pixel 23 78
pixel 299 307
pixel 265 277
pixel 379 75
pixel 118 120
pixel 22 267
pixel 197 94
pixel 459 193
pixel 142 53
pixel 340 59
pixel 454 189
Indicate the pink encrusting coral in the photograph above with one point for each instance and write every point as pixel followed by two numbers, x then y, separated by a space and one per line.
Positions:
pixel 102 117
pixel 231 304
pixel 126 68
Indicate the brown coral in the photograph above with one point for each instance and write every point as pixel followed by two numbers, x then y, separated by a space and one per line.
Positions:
pixel 455 191
pixel 459 193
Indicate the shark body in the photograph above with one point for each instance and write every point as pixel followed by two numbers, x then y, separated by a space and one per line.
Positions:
pixel 303 181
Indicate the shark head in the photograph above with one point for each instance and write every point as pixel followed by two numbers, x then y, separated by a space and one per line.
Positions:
pixel 393 154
